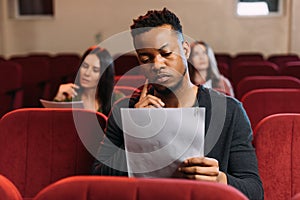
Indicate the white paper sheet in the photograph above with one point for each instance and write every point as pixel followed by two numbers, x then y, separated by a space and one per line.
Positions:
pixel 55 104
pixel 158 140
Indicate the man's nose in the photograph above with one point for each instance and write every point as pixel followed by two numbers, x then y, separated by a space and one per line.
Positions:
pixel 158 62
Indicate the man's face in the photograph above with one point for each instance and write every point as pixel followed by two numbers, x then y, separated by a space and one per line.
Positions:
pixel 162 56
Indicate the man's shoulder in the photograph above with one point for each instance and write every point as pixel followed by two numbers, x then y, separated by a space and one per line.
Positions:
pixel 211 96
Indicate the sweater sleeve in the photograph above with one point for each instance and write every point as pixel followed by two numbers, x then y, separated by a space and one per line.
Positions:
pixel 111 158
pixel 242 167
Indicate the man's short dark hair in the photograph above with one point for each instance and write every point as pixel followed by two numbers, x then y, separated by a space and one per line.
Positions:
pixel 155 18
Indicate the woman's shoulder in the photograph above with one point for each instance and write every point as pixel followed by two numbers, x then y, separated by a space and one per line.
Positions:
pixel 225 86
pixel 224 79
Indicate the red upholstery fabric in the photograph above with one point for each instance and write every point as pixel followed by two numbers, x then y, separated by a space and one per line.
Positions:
pixel 249 56
pixel 69 61
pixel 135 81
pixel 35 75
pixel 296 197
pixel 126 64
pixel 63 69
pixel 11 82
pixel 39 146
pixel 44 55
pixel 115 188
pixel 277 143
pixel 252 68
pixel 263 102
pixel 8 190
pixel 291 69
pixel 127 90
pixel 259 82
pixel 224 69
pixel 223 58
pixel 281 59
pixel 2 59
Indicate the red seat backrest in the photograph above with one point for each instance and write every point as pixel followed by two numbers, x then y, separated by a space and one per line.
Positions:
pixel 291 69
pixel 126 64
pixel 115 188
pixel 35 76
pixel 252 68
pixel 259 82
pixel 296 197
pixel 11 82
pixel 135 81
pixel 40 146
pixel 223 58
pixel 63 69
pixel 260 103
pixel 277 144
pixel 127 90
pixel 281 59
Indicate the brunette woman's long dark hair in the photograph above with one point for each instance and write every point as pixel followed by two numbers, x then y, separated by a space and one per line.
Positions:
pixel 106 83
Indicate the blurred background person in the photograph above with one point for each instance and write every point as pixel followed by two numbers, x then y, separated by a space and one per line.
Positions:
pixel 204 71
pixel 94 82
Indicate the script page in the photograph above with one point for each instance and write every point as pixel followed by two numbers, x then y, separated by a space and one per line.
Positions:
pixel 157 140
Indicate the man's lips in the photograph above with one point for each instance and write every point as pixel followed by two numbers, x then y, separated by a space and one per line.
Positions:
pixel 161 78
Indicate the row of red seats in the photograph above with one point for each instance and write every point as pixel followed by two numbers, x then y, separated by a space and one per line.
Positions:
pixel 35 77
pixel 26 79
pixel 103 187
pixel 278 59
pixel 39 151
pixel 236 68
pixel 263 68
pixel 262 82
pixel 125 63
pixel 52 144
pixel 260 103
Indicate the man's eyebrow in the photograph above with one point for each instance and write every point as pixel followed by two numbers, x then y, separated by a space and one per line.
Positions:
pixel 164 46
pixel 142 53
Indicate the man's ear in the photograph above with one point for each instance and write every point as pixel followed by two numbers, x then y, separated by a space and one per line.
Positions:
pixel 186 49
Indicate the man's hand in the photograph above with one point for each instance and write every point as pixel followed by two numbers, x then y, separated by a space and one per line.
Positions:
pixel 201 168
pixel 147 100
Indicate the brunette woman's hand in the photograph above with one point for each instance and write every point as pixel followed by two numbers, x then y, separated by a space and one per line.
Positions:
pixel 66 91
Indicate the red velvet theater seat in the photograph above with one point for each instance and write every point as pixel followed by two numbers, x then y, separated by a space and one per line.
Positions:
pixel 63 69
pixel 135 81
pixel 127 90
pixel 291 69
pixel 277 144
pixel 252 68
pixel 35 76
pixel 296 197
pixel 261 103
pixel 8 190
pixel 115 188
pixel 126 64
pixel 260 82
pixel 281 59
pixel 40 146
pixel 223 58
pixel 11 95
